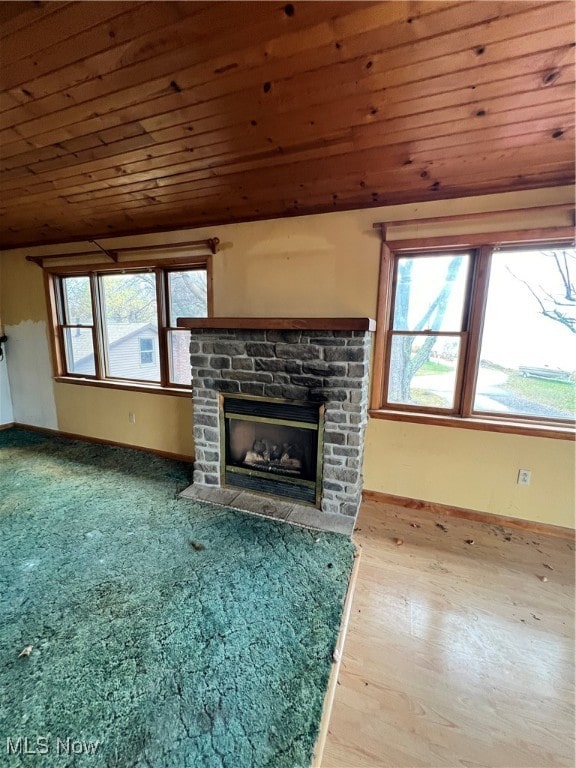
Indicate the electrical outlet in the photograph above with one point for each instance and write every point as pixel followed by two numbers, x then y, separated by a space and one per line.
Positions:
pixel 132 417
pixel 524 476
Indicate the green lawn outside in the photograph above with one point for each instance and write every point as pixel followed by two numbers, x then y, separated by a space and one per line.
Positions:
pixel 432 367
pixel 560 395
pixel 556 394
pixel 425 397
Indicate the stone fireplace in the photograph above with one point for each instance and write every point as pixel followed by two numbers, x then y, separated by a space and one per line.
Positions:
pixel 280 408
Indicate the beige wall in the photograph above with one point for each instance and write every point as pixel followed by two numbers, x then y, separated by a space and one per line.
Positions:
pixel 6 411
pixel 327 265
pixel 162 422
pixel 472 469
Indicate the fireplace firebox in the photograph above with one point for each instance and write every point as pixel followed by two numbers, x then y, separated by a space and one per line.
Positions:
pixel 272 446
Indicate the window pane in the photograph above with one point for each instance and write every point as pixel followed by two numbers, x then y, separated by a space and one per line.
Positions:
pixel 430 292
pixel 423 370
pixel 79 351
pixel 77 301
pixel 188 294
pixel 146 351
pixel 130 319
pixel 528 351
pixel 179 355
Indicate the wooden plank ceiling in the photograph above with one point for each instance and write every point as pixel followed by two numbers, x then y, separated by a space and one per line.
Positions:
pixel 123 117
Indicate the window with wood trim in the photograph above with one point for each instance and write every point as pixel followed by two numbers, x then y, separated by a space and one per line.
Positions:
pixel 119 325
pixel 487 332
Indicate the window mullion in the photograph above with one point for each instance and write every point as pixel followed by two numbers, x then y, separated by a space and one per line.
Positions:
pixel 55 294
pixel 97 328
pixel 384 323
pixel 479 294
pixel 162 308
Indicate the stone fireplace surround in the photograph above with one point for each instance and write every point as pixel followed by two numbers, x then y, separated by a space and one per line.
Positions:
pixel 324 360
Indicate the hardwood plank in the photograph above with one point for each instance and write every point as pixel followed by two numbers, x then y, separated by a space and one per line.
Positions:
pixel 433 508
pixel 440 25
pixel 178 194
pixel 456 654
pixel 376 111
pixel 402 67
pixel 9 11
pixel 81 188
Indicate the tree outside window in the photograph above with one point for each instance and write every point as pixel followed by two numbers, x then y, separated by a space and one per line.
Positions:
pixel 111 326
pixel 517 361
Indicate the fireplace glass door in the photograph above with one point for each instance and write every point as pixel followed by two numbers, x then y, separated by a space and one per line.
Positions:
pixel 272 447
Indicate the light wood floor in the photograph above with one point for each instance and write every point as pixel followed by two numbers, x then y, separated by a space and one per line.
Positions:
pixel 457 654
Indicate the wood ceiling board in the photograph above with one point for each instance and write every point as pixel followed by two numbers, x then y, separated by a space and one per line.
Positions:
pixel 213 108
pixel 234 82
pixel 166 178
pixel 544 143
pixel 333 106
pixel 376 125
pixel 21 15
pixel 376 134
pixel 433 180
pixel 518 127
pixel 101 44
pixel 162 39
pixel 58 27
pixel 170 112
pixel 151 76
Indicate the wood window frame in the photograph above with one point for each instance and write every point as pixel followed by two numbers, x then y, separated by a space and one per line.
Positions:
pixel 462 415
pixel 53 276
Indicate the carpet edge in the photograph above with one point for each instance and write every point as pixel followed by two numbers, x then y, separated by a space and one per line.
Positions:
pixel 320 744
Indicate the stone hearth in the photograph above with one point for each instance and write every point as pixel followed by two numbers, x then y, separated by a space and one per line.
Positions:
pixel 306 360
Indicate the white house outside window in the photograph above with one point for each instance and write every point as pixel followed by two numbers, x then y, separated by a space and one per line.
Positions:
pixel 120 326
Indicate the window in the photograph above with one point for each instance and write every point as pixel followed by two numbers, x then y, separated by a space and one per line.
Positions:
pixel 187 297
pixel 484 333
pixel 428 329
pixel 146 351
pixel 120 326
pixel 77 323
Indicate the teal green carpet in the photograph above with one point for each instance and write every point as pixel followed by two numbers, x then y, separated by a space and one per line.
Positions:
pixel 166 633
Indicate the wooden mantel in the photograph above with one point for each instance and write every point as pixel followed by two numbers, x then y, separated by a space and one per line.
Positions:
pixel 279 323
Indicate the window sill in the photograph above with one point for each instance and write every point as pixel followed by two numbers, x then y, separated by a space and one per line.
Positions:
pixel 556 432
pixel 129 386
